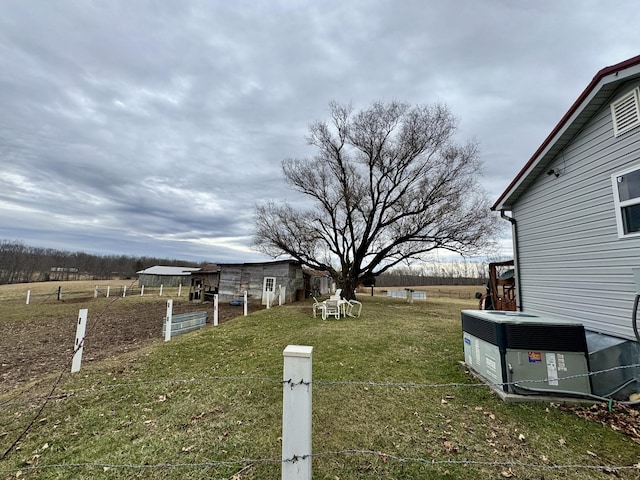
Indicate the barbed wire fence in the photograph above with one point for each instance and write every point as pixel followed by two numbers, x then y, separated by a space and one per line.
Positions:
pixel 294 459
pixel 41 403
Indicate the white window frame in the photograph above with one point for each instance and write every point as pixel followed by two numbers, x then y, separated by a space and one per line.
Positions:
pixel 269 282
pixel 619 205
pixel 625 112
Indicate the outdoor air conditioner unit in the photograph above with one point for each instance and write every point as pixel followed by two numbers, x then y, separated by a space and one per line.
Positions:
pixel 522 353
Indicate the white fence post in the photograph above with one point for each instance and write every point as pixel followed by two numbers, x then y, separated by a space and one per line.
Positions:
pixel 161 289
pixel 108 290
pixel 296 413
pixel 79 345
pixel 282 297
pixel 142 290
pixel 167 321
pixel 269 296
pixel 246 307
pixel 28 296
pixel 124 291
pixel 215 309
pixel 180 290
pixel 95 292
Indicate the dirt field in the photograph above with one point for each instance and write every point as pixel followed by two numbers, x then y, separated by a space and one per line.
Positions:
pixel 38 339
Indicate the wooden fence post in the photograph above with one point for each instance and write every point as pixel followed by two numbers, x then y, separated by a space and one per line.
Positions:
pixel 79 345
pixel 296 413
pixel 95 292
pixel 59 293
pixel 167 321
pixel 161 289
pixel 215 309
pixel 246 307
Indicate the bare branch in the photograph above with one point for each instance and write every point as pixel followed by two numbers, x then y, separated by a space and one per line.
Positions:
pixel 388 183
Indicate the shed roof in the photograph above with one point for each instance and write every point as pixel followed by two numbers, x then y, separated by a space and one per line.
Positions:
pixel 597 94
pixel 168 271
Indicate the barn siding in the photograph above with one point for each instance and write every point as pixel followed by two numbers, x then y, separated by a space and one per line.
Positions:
pixel 571 262
pixel 236 278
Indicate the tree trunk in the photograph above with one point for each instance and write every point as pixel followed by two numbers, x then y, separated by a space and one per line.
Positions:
pixel 348 286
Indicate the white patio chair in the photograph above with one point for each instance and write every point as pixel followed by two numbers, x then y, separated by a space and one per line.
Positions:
pixel 351 304
pixel 317 305
pixel 337 295
pixel 330 307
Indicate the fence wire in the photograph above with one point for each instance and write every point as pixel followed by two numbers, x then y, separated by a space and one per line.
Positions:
pixel 320 383
pixel 336 453
pixel 247 462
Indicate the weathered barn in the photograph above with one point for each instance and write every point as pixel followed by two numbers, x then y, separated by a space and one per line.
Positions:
pixel 317 282
pixel 258 279
pixel 167 276
pixel 205 282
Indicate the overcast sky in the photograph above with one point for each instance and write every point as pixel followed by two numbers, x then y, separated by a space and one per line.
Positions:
pixel 153 128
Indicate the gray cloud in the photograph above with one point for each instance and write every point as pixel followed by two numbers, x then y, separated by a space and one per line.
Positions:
pixel 153 128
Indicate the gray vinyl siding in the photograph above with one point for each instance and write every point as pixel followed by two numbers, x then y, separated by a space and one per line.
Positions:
pixel 571 262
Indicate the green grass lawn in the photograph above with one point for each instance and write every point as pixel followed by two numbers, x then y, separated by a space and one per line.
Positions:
pixel 209 405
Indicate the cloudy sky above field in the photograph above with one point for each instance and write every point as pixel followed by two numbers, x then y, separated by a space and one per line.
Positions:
pixel 153 128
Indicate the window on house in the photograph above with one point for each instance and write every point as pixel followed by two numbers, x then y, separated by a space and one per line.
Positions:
pixel 626 190
pixel 626 112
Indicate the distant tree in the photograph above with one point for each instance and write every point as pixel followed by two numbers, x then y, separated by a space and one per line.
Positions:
pixel 388 184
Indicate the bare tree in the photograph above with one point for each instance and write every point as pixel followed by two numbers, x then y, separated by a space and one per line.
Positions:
pixel 388 184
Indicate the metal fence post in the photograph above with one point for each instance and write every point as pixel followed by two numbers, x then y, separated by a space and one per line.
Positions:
pixel 215 309
pixel 167 321
pixel 296 413
pixel 79 345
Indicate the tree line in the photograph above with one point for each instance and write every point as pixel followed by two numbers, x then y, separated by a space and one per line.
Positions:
pixel 20 263
pixel 460 272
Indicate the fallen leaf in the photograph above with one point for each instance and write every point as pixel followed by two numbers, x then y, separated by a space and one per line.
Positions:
pixel 508 473
pixel 450 447
pixel 562 442
pixel 188 449
pixel 589 452
pixel 521 437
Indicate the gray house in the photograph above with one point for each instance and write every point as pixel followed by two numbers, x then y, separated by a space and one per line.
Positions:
pixel 574 209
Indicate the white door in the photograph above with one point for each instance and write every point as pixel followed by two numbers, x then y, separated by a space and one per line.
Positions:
pixel 268 289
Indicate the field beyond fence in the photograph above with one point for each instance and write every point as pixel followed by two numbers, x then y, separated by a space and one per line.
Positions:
pixel 390 399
